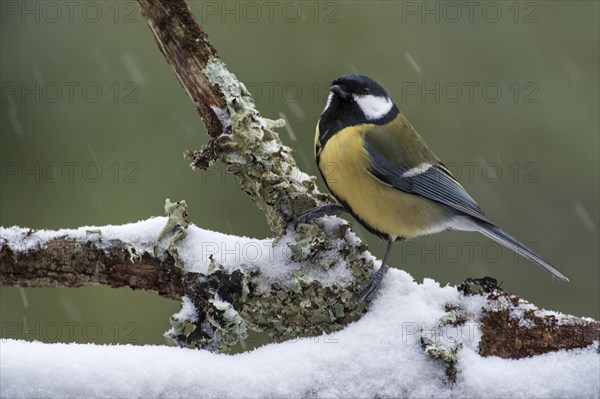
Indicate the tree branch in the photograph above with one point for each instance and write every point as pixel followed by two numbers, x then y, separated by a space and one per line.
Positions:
pixel 300 301
pixel 186 47
pixel 64 262
pixel 513 328
pixel 276 287
pixel 243 140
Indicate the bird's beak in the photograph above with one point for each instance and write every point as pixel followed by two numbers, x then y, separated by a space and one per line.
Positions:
pixel 339 91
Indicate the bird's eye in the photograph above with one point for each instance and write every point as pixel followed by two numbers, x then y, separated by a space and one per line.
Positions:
pixel 366 90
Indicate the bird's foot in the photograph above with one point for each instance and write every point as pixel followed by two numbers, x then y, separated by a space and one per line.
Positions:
pixel 487 284
pixel 372 287
pixel 320 211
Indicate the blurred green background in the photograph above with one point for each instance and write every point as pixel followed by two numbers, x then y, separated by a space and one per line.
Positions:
pixel 506 93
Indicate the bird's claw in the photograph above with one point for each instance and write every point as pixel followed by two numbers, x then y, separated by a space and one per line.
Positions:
pixel 304 218
pixel 320 211
pixel 371 288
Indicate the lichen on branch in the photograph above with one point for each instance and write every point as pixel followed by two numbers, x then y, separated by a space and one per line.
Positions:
pixel 253 152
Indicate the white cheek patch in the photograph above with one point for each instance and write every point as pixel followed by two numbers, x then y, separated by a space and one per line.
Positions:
pixel 417 170
pixel 374 107
pixel 328 102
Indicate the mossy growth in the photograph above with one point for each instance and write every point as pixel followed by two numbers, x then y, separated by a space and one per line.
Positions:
pixel 253 152
pixel 308 307
pixel 177 223
pixel 231 302
pixel 446 355
pixel 437 343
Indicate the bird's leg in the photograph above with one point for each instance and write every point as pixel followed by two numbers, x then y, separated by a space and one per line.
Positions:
pixel 320 211
pixel 371 288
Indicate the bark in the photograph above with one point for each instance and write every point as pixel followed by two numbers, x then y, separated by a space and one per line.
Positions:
pixel 533 331
pixel 64 262
pixel 186 47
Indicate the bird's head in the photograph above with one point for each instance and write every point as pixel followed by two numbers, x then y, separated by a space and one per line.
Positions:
pixel 355 100
pixel 361 95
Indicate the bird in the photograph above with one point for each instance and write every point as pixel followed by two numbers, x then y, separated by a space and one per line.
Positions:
pixel 383 173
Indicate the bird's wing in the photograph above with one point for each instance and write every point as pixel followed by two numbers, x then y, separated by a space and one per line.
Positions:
pixel 429 179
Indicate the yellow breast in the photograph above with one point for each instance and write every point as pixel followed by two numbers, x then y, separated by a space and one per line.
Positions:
pixel 344 163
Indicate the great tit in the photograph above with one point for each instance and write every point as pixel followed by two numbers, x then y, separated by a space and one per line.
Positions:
pixel 382 172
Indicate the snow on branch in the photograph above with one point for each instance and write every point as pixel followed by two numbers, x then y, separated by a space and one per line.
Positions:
pixel 117 256
pixel 303 284
pixel 380 355
pixel 287 288
pixel 416 340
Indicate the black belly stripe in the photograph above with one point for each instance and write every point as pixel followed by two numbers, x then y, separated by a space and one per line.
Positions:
pixel 327 128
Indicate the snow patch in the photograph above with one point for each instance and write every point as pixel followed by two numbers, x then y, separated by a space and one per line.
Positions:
pixel 188 310
pixel 380 355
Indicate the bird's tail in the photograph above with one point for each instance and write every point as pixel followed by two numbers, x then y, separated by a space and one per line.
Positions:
pixel 508 241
